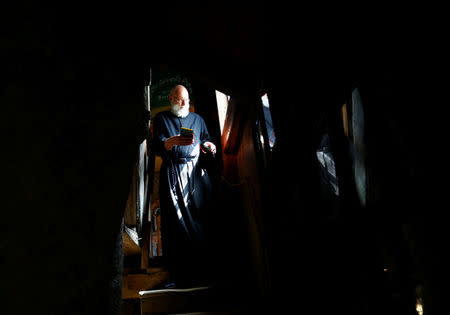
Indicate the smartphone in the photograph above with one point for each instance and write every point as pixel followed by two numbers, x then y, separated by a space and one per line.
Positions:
pixel 186 132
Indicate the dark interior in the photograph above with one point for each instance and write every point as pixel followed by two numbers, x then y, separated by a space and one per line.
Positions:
pixel 73 117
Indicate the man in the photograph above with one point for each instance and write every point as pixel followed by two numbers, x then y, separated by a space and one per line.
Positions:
pixel 185 189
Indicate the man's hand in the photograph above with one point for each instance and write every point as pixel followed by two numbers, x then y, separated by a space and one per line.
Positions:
pixel 177 140
pixel 211 146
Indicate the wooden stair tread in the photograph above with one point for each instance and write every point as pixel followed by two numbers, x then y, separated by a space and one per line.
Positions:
pixel 132 284
pixel 170 301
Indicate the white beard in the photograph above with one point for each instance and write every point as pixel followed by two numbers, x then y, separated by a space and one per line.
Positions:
pixel 179 111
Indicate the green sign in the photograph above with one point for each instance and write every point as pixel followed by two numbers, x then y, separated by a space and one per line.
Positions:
pixel 163 82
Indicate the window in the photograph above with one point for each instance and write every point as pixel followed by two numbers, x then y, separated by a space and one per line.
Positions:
pixel 268 120
pixel 222 107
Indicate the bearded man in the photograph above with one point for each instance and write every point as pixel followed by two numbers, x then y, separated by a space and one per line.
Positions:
pixel 185 189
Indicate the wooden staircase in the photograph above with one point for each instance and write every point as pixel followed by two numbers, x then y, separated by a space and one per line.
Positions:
pixel 141 293
pixel 139 296
pixel 136 278
pixel 173 301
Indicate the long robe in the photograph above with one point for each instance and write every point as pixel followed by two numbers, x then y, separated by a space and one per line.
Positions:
pixel 185 188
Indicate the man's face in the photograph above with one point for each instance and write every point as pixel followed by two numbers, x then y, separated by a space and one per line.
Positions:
pixel 180 97
pixel 180 102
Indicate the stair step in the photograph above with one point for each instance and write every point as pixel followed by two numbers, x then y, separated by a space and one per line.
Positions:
pixel 171 301
pixel 133 283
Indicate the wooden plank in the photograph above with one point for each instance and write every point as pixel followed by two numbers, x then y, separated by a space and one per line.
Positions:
pixel 233 126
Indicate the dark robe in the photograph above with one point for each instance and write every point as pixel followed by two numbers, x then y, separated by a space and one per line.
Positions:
pixel 185 192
